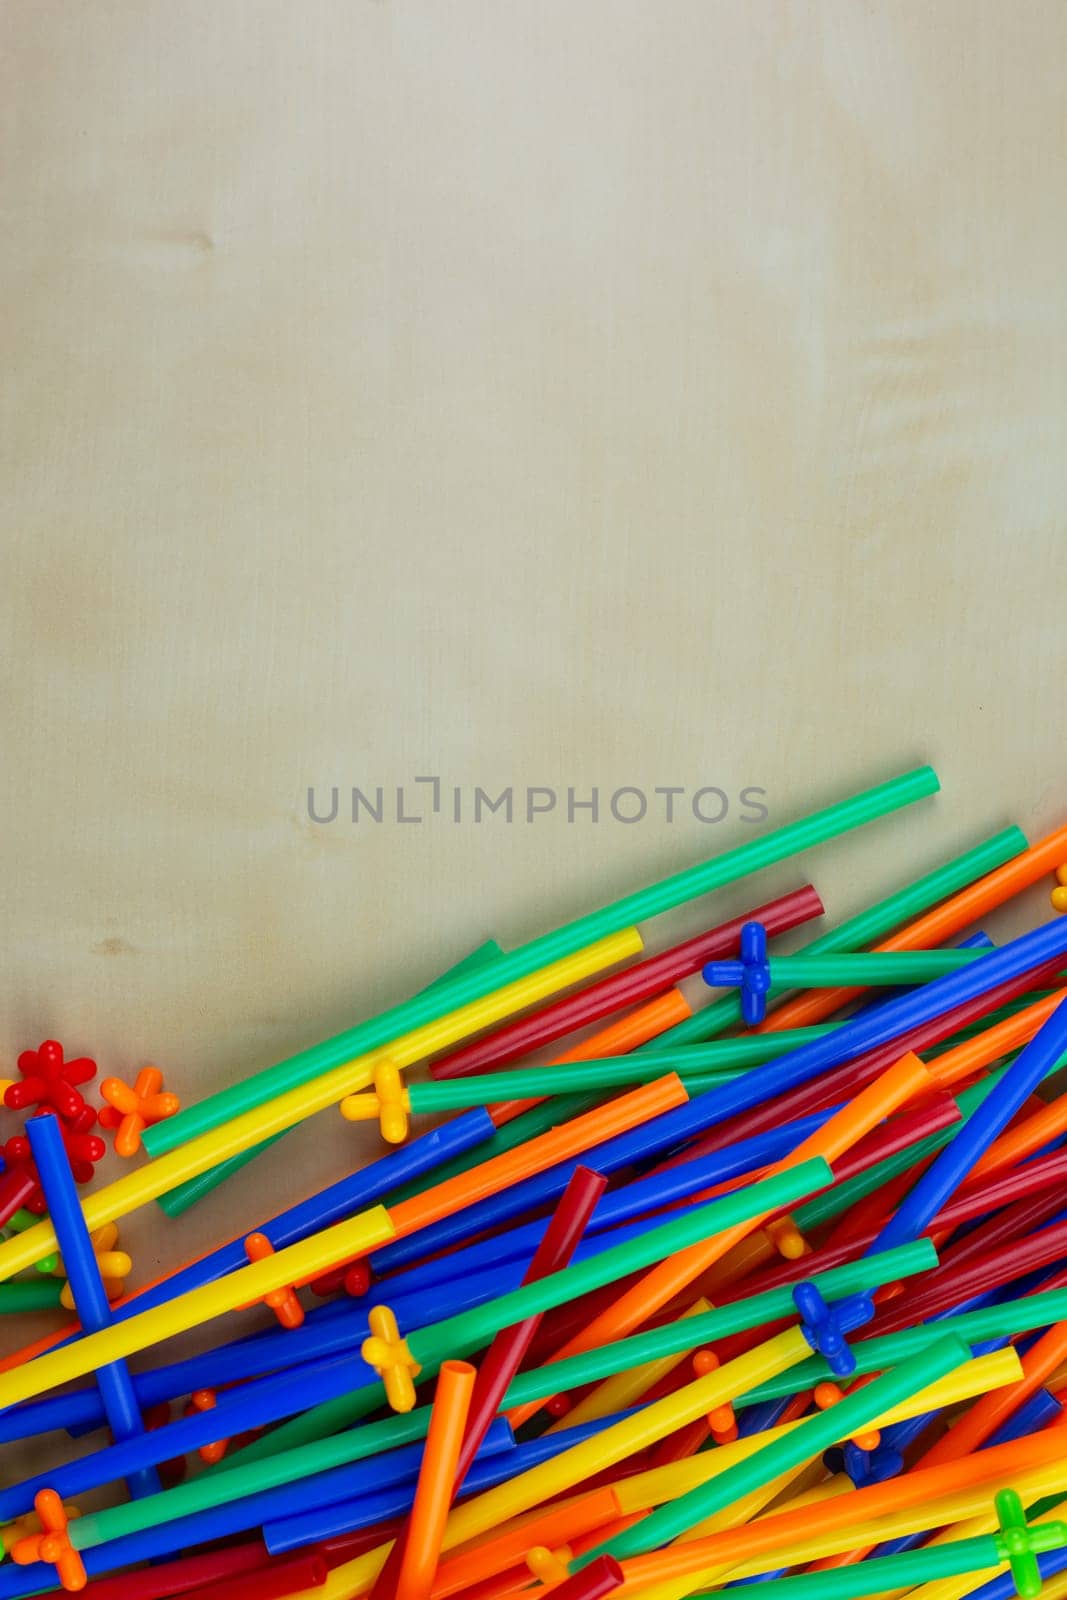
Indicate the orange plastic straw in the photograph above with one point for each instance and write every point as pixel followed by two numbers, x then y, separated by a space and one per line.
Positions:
pixel 537 1155
pixel 1021 1141
pixel 966 1059
pixel 437 1476
pixel 617 1039
pixel 936 926
pixel 779 1529
pixel 560 1524
pixel 903 1081
pixel 982 1420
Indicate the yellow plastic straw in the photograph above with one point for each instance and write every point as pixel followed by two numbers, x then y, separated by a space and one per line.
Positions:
pixel 166 1172
pixel 620 1392
pixel 296 1263
pixel 496 1506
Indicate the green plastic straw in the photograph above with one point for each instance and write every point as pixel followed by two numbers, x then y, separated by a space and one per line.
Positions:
pixel 733 864
pixel 877 922
pixel 852 1413
pixel 251 1474
pixel 470 1330
pixel 1001 1321
pixel 984 1552
pixel 868 969
pixel 188 1194
pixel 607 1072
pixel 979 1554
pixel 40 1296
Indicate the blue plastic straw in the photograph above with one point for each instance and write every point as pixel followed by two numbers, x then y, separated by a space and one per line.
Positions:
pixel 974 1137
pixel 222 1521
pixel 293 1532
pixel 332 1204
pixel 657 1190
pixel 114 1384
pixel 661 1134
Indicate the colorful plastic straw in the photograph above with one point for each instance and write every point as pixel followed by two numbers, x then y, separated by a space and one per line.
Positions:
pixel 90 1297
pixel 148 1183
pixel 437 1481
pixel 640 982
pixel 509 1347
pixel 744 859
pixel 874 923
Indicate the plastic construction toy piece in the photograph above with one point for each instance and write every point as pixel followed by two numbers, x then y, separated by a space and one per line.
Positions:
pixel 825 1327
pixel 20 1185
pixel 1019 1544
pixel 202 1400
pixel 549 1567
pixel 390 1357
pixel 1059 894
pixel 353 1279
pixel 131 1110
pixel 52 1544
pixel 722 1421
pixel 864 1457
pixel 390 1102
pixel 787 1239
pixel 49 1081
pixel 114 1266
pixel 284 1302
pixel 751 973
pixel 26 1526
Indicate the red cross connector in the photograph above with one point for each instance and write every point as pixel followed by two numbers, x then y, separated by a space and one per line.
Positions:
pixel 49 1081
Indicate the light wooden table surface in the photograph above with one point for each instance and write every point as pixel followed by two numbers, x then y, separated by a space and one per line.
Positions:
pixel 541 395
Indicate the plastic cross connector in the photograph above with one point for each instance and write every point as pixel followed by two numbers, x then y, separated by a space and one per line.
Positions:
pixel 354 1278
pixel 25 1526
pixel 1059 894
pixel 206 1400
pixel 549 1567
pixel 48 1265
pixel 390 1102
pixel 130 1110
pixel 864 1457
pixel 787 1239
pixel 825 1326
pixel 1019 1544
pixel 114 1264
pixel 284 1302
pixel 52 1544
pixel 48 1080
pixel 390 1357
pixel 20 1187
pixel 751 974
pixel 722 1421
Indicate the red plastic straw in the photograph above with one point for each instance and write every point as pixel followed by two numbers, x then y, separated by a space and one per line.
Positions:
pixel 280 1579
pixel 637 983
pixel 845 1080
pixel 192 1572
pixel 507 1351
pixel 945 1288
pixel 601 1577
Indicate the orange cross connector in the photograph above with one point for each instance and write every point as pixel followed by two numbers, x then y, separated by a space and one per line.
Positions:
pixel 283 1302
pixel 721 1421
pixel 390 1357
pixel 206 1400
pixel 827 1395
pixel 52 1544
pixel 132 1110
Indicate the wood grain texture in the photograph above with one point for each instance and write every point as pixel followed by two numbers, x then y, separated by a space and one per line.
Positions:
pixel 540 394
